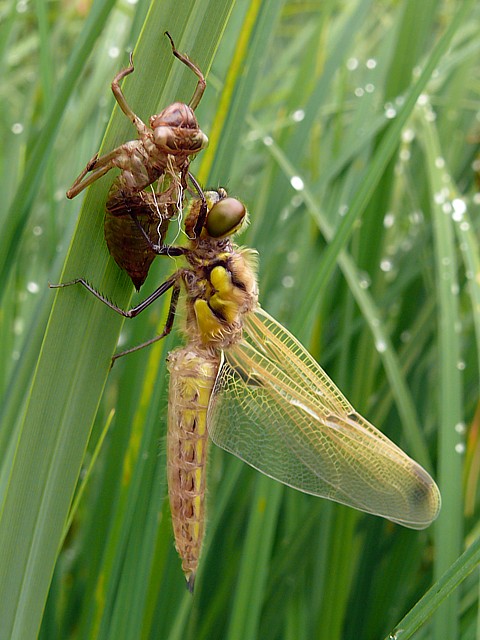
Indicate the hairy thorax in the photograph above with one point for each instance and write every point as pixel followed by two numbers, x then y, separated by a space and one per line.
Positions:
pixel 221 289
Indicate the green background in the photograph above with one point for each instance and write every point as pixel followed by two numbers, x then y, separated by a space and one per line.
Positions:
pixel 351 130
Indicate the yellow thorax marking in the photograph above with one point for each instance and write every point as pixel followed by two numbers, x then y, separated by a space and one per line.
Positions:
pixel 225 301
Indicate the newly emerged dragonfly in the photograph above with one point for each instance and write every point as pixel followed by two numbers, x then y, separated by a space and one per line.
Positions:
pixel 247 383
pixel 161 152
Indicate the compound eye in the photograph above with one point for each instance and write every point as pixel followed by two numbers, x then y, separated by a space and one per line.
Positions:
pixel 225 217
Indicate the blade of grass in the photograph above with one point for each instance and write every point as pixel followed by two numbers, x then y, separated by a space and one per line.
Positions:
pixel 75 356
pixel 444 587
pixel 450 401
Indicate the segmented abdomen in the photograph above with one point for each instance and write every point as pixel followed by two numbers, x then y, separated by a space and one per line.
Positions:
pixel 192 376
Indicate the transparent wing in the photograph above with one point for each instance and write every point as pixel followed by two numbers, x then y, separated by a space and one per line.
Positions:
pixel 274 407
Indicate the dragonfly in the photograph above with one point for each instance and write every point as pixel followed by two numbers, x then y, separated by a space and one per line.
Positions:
pixel 162 152
pixel 245 382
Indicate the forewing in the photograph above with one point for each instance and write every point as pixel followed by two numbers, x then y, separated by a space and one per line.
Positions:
pixel 274 407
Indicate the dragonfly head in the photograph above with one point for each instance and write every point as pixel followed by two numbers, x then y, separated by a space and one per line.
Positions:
pixel 225 216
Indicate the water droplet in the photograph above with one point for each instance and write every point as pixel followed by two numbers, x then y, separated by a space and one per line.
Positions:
pixel 359 92
pixel 114 52
pixel 342 210
pixel 386 265
pixel 416 217
pixel 460 448
pixel 371 63
pixel 132 2
pixel 17 128
pixel 422 99
pixel 369 87
pixel 447 208
pixel 389 220
pixel 352 64
pixel 267 141
pixel 405 155
pixel 381 346
pixel 460 428
pixel 292 257
pixel 22 6
pixel 464 226
pixel 455 289
pixel 296 201
pixel 37 230
pixel 461 365
pixel 364 281
pixel 459 209
pixel 18 326
pixel 440 162
pixel 408 135
pixel 33 287
pixel 445 261
pixel 298 115
pixel 297 183
pixel 476 198
pixel 390 111
pixel 288 282
pixel 405 336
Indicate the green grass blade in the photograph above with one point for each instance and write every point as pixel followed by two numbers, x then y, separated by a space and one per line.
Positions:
pixel 75 356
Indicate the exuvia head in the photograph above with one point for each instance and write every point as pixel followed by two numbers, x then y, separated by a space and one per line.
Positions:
pixel 176 130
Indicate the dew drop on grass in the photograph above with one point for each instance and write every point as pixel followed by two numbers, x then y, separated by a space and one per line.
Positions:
pixel 33 287
pixel 381 346
pixel 386 265
pixel 352 64
pixel 298 115
pixel 459 209
pixel 297 183
pixel 389 220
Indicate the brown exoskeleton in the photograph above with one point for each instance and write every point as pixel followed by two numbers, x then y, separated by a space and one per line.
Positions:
pixel 162 151
pixel 173 132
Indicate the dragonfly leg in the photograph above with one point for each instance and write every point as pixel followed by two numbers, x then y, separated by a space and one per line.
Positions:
pixel 166 330
pixel 201 84
pixel 83 182
pixel 159 249
pixel 173 281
